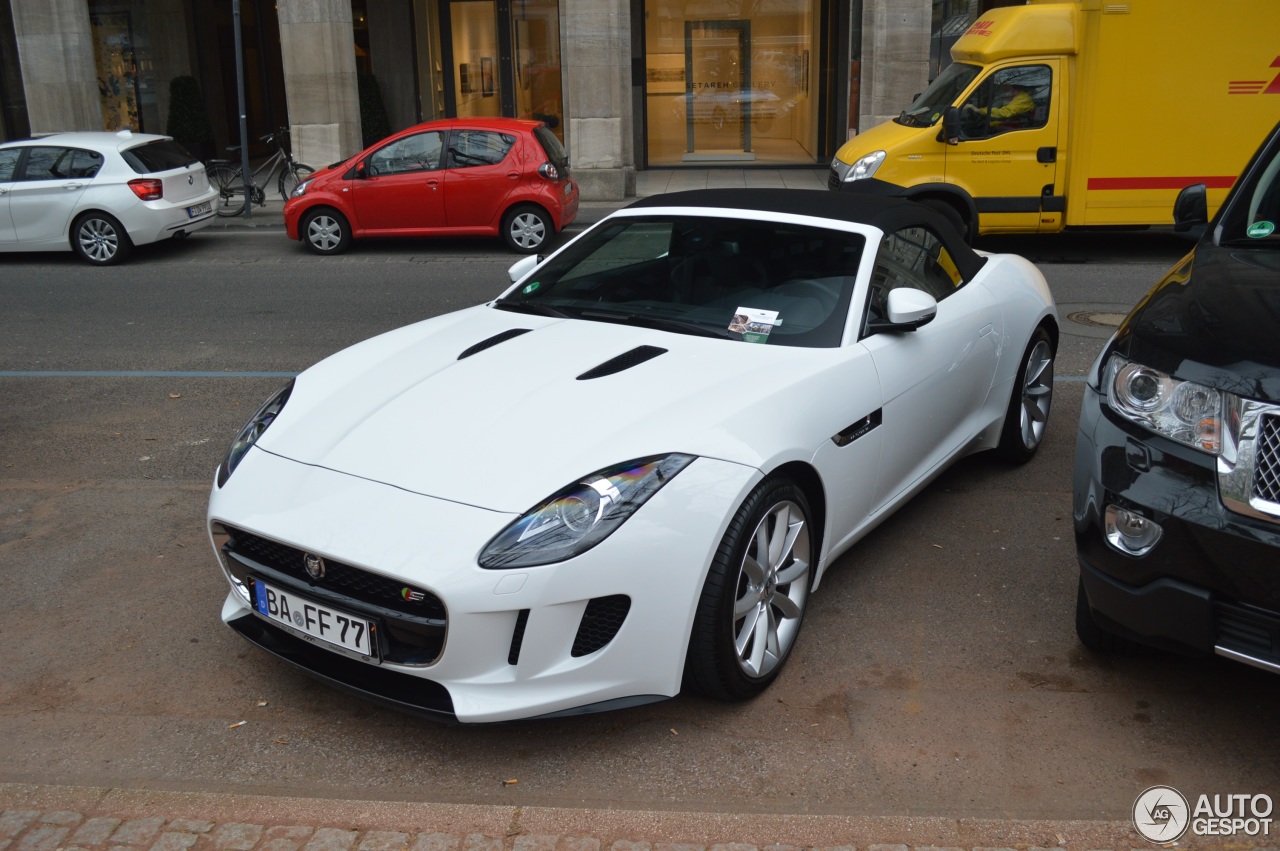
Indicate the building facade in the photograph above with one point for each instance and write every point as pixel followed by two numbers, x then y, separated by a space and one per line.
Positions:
pixel 626 84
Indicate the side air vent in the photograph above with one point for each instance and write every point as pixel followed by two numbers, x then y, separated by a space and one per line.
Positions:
pixel 626 360
pixel 601 621
pixel 493 341
pixel 517 637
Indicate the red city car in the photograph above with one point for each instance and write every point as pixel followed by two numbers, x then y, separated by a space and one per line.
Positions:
pixel 452 177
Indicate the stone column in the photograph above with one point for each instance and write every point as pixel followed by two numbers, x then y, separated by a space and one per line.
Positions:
pixel 55 49
pixel 320 79
pixel 895 57
pixel 595 38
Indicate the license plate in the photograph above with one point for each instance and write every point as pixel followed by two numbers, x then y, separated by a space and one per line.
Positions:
pixel 199 209
pixel 348 631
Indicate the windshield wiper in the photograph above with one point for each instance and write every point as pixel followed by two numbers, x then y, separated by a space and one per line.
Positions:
pixel 531 307
pixel 662 323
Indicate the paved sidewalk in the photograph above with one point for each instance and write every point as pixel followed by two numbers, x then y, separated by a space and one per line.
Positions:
pixel 71 818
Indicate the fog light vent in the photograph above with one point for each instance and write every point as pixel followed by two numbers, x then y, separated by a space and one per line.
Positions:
pixel 1130 532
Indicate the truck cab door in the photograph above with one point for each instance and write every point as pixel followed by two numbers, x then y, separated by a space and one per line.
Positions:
pixel 1006 156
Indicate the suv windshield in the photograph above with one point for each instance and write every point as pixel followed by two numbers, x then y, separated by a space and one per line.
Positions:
pixel 700 275
pixel 1253 217
pixel 942 93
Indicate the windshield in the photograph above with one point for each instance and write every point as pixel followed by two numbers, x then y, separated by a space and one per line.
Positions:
pixel 942 93
pixel 1253 218
pixel 737 279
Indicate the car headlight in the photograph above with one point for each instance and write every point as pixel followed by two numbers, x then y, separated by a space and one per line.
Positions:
pixel 864 167
pixel 253 430
pixel 576 518
pixel 301 189
pixel 1184 411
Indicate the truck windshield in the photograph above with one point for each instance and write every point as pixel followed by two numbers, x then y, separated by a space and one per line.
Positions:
pixel 942 93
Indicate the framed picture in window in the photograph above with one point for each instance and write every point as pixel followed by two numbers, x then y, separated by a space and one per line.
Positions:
pixel 486 76
pixel 464 78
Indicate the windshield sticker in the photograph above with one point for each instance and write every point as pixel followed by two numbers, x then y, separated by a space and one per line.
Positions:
pixel 754 324
pixel 1261 230
pixel 531 287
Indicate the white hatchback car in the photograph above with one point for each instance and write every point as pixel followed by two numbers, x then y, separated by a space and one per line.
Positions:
pixel 99 194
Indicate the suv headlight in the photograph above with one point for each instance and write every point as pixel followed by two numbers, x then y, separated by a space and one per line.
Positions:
pixel 253 430
pixel 1190 413
pixel 576 518
pixel 864 167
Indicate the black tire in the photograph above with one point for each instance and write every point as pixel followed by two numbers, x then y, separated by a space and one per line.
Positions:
pixel 1027 417
pixel 100 239
pixel 291 176
pixel 749 615
pixel 526 228
pixel 1092 636
pixel 324 231
pixel 952 215
pixel 224 178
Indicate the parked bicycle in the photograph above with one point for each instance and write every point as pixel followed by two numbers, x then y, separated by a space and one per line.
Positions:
pixel 225 175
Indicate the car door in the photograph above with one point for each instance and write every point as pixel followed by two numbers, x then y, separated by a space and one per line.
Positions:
pixel 401 187
pixel 50 182
pixel 8 165
pixel 1008 162
pixel 935 379
pixel 484 167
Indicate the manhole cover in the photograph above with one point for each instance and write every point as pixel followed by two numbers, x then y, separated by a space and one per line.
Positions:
pixel 1097 318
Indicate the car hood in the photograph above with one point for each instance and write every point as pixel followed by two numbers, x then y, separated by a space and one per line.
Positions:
pixel 1214 320
pixel 504 427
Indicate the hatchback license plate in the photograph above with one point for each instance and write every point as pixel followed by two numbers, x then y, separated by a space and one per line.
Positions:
pixel 348 631
pixel 199 209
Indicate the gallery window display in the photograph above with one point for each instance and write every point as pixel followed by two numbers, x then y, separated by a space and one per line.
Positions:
pixel 731 82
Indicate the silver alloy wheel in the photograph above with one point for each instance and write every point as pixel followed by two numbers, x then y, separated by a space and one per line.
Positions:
pixel 772 588
pixel 1037 393
pixel 528 230
pixel 98 240
pixel 324 232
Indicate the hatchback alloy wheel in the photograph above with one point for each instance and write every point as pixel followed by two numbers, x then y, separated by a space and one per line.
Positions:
pixel 99 239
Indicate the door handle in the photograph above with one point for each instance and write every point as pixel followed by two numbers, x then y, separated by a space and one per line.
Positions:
pixel 434 184
pixel 514 175
pixel 72 185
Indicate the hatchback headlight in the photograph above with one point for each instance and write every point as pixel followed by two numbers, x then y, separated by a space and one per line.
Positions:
pixel 576 518
pixel 864 167
pixel 253 430
pixel 301 189
pixel 1184 411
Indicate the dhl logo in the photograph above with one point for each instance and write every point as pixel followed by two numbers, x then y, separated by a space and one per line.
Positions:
pixel 1255 87
pixel 980 28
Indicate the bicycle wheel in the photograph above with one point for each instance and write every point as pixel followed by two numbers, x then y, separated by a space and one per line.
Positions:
pixel 291 176
pixel 230 200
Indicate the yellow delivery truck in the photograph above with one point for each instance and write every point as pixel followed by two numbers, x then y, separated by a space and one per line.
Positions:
pixel 1092 113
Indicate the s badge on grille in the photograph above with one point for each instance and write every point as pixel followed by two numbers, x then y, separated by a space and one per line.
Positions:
pixel 314 565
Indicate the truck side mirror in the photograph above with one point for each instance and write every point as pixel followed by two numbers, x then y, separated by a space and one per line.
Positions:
pixel 951 125
pixel 1191 211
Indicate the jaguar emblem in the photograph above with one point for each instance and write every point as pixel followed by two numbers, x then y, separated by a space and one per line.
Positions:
pixel 314 565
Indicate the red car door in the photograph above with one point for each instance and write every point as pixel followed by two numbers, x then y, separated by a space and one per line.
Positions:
pixel 483 169
pixel 402 187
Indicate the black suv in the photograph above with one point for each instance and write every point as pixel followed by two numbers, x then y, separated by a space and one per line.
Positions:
pixel 1177 468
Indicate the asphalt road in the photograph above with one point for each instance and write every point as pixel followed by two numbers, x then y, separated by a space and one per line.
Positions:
pixel 937 674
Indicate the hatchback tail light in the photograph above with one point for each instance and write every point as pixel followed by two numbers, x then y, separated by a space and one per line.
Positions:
pixel 148 189
pixel 549 171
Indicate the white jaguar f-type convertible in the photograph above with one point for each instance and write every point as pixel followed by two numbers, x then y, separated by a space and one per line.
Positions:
pixel 626 475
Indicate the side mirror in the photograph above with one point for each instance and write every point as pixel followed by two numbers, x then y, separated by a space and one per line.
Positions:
pixel 361 170
pixel 908 310
pixel 524 266
pixel 1191 211
pixel 951 125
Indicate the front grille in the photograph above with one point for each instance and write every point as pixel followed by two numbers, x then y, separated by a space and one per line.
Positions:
pixel 339 578
pixel 411 632
pixel 601 621
pixel 1254 632
pixel 1266 472
pixel 833 179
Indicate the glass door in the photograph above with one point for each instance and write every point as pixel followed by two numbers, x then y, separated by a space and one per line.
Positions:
pixel 718 96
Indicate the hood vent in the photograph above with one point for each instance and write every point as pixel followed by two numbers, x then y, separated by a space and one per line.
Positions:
pixel 493 341
pixel 626 360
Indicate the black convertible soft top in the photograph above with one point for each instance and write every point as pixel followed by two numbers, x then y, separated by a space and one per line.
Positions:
pixel 889 213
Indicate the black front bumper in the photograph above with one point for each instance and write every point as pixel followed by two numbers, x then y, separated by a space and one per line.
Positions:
pixel 1211 583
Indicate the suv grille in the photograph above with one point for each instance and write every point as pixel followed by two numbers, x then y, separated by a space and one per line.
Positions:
pixel 1266 472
